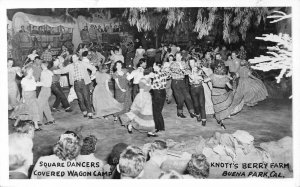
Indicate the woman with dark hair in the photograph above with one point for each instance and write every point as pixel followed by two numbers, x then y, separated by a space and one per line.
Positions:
pixel 223 97
pixel 13 90
pixel 103 101
pixel 113 160
pixel 250 88
pixel 87 154
pixel 122 89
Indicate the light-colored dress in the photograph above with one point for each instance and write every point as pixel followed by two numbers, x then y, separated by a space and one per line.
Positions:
pixel 29 110
pixel 141 108
pixel 103 101
pixel 138 55
pixel 207 92
pixel 13 91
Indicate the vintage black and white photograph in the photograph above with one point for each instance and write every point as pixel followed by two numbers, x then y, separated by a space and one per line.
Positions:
pixel 150 92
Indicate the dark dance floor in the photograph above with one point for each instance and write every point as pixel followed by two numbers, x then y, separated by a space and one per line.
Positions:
pixel 268 121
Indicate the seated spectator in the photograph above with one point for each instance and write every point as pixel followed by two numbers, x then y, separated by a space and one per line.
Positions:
pixel 20 150
pixel 41 30
pixel 63 162
pixel 158 154
pixel 22 29
pixel 198 167
pixel 34 30
pixel 87 155
pixel 47 54
pixel 113 160
pixel 172 174
pixel 131 163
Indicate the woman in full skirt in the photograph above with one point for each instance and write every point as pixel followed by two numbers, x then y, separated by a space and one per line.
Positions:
pixel 209 108
pixel 103 101
pixel 28 109
pixel 13 90
pixel 252 88
pixel 122 89
pixel 140 116
pixel 226 102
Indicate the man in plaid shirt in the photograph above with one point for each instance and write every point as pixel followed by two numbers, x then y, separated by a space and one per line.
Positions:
pixel 47 55
pixel 158 86
pixel 178 70
pixel 79 77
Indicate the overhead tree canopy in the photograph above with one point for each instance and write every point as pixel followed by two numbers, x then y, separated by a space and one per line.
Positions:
pixel 235 21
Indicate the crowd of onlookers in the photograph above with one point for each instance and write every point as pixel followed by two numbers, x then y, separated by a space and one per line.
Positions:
pixel 74 153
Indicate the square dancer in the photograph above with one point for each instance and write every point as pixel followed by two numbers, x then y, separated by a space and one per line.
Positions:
pixel 158 87
pixel 79 77
pixel 43 98
pixel 178 70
